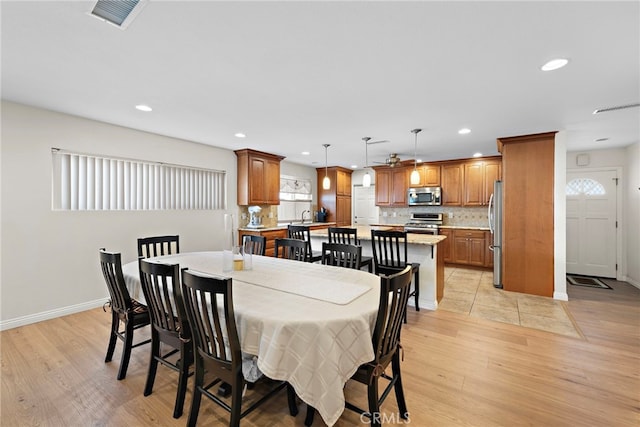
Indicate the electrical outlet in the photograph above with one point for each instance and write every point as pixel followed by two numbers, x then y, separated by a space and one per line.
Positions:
pixel 450 214
pixel 244 215
pixel 394 214
pixel 384 214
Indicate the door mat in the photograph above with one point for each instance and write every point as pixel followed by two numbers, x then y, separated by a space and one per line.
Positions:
pixel 591 282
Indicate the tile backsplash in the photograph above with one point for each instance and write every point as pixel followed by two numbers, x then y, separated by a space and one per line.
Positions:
pixel 451 215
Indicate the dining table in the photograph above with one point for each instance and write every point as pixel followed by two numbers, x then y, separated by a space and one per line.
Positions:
pixel 308 324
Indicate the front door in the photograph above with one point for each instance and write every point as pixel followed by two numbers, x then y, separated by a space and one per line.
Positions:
pixel 591 222
pixel 365 211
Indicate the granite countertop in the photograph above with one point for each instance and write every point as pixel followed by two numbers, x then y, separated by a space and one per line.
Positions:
pixel 364 233
pixel 466 227
pixel 285 226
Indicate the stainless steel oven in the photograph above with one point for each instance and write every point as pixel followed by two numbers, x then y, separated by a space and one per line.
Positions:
pixel 424 223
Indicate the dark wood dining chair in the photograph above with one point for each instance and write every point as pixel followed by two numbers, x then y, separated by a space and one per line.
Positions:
pixel 258 243
pixel 158 245
pixel 341 255
pixel 303 232
pixel 124 309
pixel 394 295
pixel 349 236
pixel 170 332
pixel 218 356
pixel 295 249
pixel 390 256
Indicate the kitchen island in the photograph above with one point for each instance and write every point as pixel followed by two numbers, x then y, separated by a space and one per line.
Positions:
pixel 422 248
pixel 279 232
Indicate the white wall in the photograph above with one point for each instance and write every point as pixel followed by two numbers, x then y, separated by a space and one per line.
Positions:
pixel 49 263
pixel 632 177
pixel 628 160
pixel 560 218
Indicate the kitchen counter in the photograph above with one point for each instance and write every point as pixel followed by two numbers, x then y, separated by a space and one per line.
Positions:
pixel 364 233
pixel 422 248
pixel 312 225
pixel 464 227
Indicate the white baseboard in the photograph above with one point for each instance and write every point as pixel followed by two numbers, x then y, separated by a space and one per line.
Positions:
pixel 51 314
pixel 632 282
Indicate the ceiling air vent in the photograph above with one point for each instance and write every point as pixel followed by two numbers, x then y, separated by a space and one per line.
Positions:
pixel 118 12
pixel 619 107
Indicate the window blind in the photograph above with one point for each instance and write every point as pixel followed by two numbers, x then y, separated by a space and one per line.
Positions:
pixel 94 182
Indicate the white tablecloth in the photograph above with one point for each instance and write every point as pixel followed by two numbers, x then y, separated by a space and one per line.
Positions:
pixel 309 324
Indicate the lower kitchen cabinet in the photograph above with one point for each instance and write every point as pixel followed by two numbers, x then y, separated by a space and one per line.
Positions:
pixel 466 247
pixel 271 236
pixel 446 245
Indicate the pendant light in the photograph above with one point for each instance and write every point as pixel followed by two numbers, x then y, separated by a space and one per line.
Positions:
pixel 366 179
pixel 415 175
pixel 326 182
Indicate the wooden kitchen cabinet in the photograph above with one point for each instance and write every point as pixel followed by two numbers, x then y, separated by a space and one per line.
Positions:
pixel 391 186
pixel 270 235
pixel 258 178
pixel 429 175
pixel 452 175
pixel 337 199
pixel 466 247
pixel 469 247
pixel 446 245
pixel 478 178
pixel 528 207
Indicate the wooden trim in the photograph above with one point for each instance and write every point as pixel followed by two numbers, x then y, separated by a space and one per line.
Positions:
pixel 247 151
pixel 525 138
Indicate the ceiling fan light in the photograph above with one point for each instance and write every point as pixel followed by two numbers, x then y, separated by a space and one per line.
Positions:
pixel 415 177
pixel 366 180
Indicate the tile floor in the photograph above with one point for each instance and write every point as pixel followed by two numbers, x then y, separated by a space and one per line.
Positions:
pixel 471 292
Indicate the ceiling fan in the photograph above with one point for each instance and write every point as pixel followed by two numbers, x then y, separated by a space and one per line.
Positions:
pixel 391 161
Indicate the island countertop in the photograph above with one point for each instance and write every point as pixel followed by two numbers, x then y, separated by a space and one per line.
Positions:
pixel 311 225
pixel 364 233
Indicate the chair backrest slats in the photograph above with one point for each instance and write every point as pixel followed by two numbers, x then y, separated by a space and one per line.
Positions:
pixel 258 244
pixel 295 249
pixel 111 265
pixel 208 301
pixel 346 235
pixel 341 255
pixel 394 294
pixel 161 288
pixel 301 232
pixel 158 245
pixel 389 250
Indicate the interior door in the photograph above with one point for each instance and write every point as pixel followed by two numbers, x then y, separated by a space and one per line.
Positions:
pixel 365 211
pixel 591 222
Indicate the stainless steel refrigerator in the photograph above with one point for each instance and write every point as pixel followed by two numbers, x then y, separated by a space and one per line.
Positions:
pixel 495 226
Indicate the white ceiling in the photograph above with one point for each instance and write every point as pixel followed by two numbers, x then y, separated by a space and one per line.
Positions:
pixel 295 75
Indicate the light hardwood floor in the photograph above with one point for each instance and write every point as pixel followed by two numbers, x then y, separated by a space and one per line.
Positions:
pixel 458 370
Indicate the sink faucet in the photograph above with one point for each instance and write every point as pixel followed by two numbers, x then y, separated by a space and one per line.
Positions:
pixel 304 212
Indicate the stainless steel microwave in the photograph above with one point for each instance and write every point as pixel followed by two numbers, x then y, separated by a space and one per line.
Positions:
pixel 424 196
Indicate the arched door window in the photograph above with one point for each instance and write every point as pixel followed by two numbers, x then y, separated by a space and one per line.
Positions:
pixel 585 186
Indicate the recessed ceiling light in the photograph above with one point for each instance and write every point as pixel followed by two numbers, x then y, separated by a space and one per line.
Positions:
pixel 240 135
pixel 418 160
pixel 354 166
pixel 464 131
pixel 477 155
pixel 144 108
pixel 602 139
pixel 305 153
pixel 554 64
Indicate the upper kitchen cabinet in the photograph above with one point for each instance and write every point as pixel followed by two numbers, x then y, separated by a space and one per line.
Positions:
pixel 258 178
pixel 452 183
pixel 479 176
pixel 391 186
pixel 337 199
pixel 429 175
